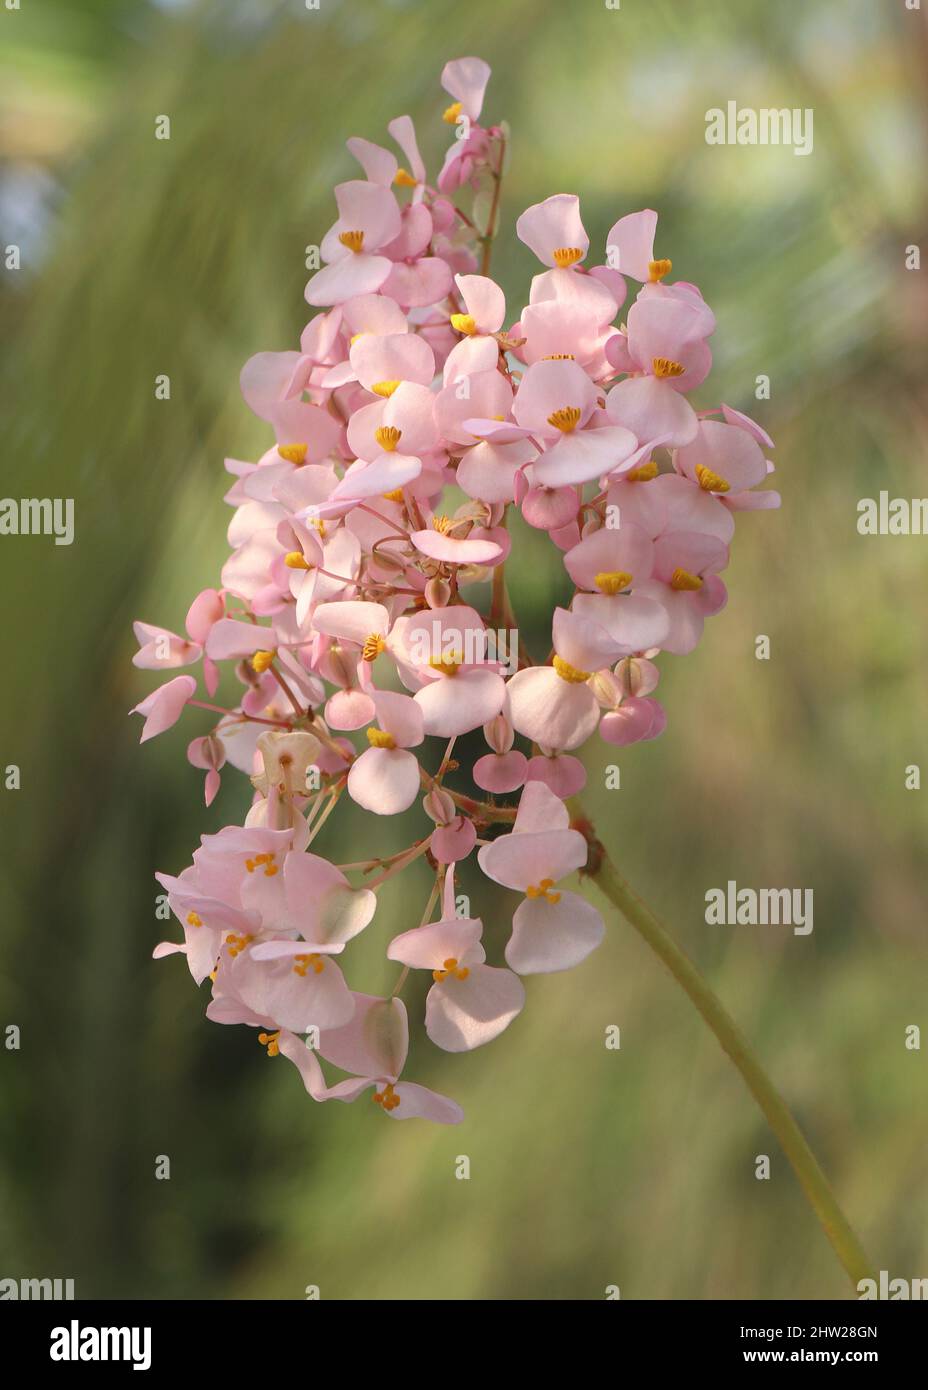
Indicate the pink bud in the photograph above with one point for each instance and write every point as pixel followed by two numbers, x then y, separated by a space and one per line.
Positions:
pixel 438 592
pixel 499 733
pixel 438 806
pixel 636 676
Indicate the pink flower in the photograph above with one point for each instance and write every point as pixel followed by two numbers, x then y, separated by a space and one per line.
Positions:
pixel 552 929
pixel 470 1003
pixel 385 779
pixel 368 220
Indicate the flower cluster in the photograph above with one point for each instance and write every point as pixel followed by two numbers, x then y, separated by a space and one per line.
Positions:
pixel 365 594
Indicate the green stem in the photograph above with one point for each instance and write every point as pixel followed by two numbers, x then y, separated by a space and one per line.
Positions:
pixel 812 1180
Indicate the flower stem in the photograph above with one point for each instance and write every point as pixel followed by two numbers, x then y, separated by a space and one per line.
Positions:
pixel 812 1179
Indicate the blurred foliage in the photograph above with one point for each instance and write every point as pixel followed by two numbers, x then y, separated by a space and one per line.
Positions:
pixel 589 1167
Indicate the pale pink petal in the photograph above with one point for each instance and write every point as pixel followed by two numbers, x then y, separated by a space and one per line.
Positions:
pixel 164 706
pixel 464 1014
pixel 456 704
pixel 553 225
pixel 553 936
pixel 384 780
pixel 630 244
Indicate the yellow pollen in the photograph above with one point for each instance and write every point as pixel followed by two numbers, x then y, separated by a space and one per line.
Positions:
pixel 296 560
pixel 378 738
pixel 658 269
pixel 236 943
pixel 194 919
pixel 664 367
pixel 270 1041
pixel 395 496
pixel 449 664
pixel 353 240
pixel 318 526
pixel 262 660
pixel 388 436
pixel 302 963
pixel 404 178
pixel 559 357
pixel 460 972
pixel 442 524
pixel 682 580
pixel 570 673
pixel 612 581
pixel 644 474
pixel 464 323
pixel 387 1097
pixel 451 113
pixel 373 646
pixel 269 862
pixel 543 890
pixel 566 256
pixel 709 481
pixel 566 419
pixel 354 338
pixel 293 453
pixel 384 388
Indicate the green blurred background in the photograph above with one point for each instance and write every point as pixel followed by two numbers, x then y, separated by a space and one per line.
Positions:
pixel 589 1167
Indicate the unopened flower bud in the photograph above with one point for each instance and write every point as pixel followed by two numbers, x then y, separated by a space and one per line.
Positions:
pixel 438 592
pixel 636 676
pixel 438 806
pixel 607 689
pixel 499 733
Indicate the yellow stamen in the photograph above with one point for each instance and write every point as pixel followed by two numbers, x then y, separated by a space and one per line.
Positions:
pixel 270 1041
pixel 387 1097
pixel 664 367
pixel 353 240
pixel 566 419
pixel 302 963
pixel 378 738
pixel 460 972
pixel 464 323
pixel 373 646
pixel 395 496
pixel 682 580
pixel 388 436
pixel 570 673
pixel 451 113
pixel 194 919
pixel 612 581
pixel 384 388
pixel 404 179
pixel 449 664
pixel 442 524
pixel 262 660
pixel 643 474
pixel 709 481
pixel 293 453
pixel 269 862
pixel 318 526
pixel 566 256
pixel 296 560
pixel 559 357
pixel 237 944
pixel 658 269
pixel 543 890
